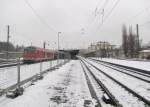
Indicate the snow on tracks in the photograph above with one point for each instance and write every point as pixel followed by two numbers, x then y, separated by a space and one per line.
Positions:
pixel 122 95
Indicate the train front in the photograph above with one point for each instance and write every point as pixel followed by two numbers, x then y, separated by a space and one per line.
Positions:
pixel 29 55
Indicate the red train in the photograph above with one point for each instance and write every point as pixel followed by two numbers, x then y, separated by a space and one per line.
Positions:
pixel 33 54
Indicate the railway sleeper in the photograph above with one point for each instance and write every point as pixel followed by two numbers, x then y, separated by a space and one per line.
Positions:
pixel 107 99
pixel 146 101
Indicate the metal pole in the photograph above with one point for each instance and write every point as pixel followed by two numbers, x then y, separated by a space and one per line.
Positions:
pixel 8 30
pixel 40 67
pixel 58 49
pixel 50 64
pixel 138 44
pixel 44 44
pixel 68 56
pixel 18 69
pixel 64 57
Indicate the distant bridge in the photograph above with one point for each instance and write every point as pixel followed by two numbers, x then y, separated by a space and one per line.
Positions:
pixel 72 52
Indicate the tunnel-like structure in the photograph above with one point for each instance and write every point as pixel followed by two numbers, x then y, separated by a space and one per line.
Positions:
pixel 72 53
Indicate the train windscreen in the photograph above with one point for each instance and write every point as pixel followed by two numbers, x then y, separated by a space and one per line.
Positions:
pixel 30 50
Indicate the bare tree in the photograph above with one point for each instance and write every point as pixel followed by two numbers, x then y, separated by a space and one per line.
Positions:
pixel 131 44
pixel 125 40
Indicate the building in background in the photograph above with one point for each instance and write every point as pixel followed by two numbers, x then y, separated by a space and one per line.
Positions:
pixel 101 49
pixel 145 54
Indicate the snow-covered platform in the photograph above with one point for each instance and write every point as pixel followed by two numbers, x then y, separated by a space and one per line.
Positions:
pixel 63 87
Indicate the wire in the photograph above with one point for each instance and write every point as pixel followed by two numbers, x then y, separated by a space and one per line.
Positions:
pixel 116 3
pixel 139 13
pixel 103 13
pixel 97 11
pixel 97 7
pixel 102 8
pixel 39 17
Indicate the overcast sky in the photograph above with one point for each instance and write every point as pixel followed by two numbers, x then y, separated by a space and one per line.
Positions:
pixel 79 21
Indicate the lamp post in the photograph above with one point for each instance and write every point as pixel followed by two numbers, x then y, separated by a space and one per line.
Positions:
pixel 8 36
pixel 58 49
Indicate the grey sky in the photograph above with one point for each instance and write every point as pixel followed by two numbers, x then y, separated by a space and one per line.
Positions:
pixel 69 17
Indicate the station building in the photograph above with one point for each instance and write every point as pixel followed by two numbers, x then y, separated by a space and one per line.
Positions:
pixel 101 49
pixel 145 54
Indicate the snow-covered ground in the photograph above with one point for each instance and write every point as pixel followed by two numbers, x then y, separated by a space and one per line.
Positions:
pixel 124 98
pixel 136 64
pixel 67 86
pixel 139 86
pixel 8 75
pixel 64 87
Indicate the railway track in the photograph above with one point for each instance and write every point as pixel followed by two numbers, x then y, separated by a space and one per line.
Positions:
pixel 141 76
pixel 135 94
pixel 9 65
pixel 132 69
pixel 15 64
pixel 104 90
pixel 91 89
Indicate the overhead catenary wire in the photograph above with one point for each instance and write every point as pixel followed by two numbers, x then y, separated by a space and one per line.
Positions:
pixel 139 13
pixel 103 12
pixel 39 17
pixel 96 8
pixel 100 11
pixel 107 15
pixel 104 18
pixel 102 8
pixel 112 9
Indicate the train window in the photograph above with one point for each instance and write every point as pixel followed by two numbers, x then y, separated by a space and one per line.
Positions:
pixel 29 50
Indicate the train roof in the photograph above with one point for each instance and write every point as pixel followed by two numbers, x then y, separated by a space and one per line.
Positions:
pixel 41 49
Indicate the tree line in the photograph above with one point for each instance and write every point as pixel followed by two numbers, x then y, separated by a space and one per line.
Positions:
pixel 130 43
pixel 4 46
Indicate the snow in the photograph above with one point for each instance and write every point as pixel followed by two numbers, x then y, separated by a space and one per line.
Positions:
pixel 64 87
pixel 67 86
pixel 98 90
pixel 126 99
pixel 136 64
pixel 8 75
pixel 139 86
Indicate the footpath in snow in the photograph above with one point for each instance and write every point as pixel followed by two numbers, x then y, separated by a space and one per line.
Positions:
pixel 64 87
